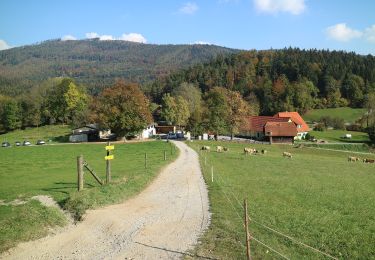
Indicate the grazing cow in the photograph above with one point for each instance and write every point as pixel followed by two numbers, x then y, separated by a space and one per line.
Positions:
pixel 205 148
pixel 226 149
pixel 352 159
pixel 368 160
pixel 248 150
pixel 219 149
pixel 264 151
pixel 287 154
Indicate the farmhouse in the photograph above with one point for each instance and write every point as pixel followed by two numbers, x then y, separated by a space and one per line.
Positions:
pixel 254 127
pixel 90 132
pixel 302 127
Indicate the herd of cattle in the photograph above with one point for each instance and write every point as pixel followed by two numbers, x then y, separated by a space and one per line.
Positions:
pixel 246 150
pixel 249 151
pixel 356 159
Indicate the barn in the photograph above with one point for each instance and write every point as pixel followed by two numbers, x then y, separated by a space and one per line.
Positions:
pixel 280 132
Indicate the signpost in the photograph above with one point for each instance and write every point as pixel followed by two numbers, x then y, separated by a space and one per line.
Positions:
pixel 108 159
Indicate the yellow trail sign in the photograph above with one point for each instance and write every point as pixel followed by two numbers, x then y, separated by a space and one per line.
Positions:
pixel 110 147
pixel 109 157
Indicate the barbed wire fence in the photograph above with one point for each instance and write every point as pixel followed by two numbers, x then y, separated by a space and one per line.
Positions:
pixel 233 200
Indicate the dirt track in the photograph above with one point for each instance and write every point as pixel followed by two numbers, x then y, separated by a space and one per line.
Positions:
pixel 162 222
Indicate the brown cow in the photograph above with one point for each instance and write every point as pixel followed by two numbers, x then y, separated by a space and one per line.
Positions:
pixel 368 160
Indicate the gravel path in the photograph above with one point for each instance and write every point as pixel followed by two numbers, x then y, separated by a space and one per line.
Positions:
pixel 162 222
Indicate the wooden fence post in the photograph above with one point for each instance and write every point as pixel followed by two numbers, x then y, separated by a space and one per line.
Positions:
pixel 80 172
pixel 247 230
pixel 108 167
pixel 145 160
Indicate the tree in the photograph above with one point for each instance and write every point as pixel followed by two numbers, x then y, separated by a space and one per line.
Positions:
pixel 238 109
pixel 216 111
pixel 123 108
pixel 183 112
pixel 169 109
pixel 12 115
pixel 65 101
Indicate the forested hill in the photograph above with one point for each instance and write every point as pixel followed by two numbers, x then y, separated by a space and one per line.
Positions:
pixel 283 80
pixel 96 63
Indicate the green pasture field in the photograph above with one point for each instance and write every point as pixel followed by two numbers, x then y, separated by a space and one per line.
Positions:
pixel 51 170
pixel 350 115
pixel 317 197
pixel 49 134
pixel 337 136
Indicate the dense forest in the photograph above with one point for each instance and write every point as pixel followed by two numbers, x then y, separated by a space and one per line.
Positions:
pixel 214 96
pixel 279 80
pixel 96 64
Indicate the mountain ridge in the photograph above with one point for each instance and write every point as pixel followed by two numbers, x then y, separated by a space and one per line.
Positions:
pixel 96 63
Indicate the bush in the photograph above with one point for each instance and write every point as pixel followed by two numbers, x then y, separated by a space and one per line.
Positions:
pixel 320 127
pixel 338 123
pixel 354 127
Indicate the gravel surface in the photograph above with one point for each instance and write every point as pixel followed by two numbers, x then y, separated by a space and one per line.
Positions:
pixel 162 222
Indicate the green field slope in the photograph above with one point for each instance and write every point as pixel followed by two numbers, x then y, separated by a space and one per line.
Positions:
pixel 48 133
pixel 51 170
pixel 317 197
pixel 350 115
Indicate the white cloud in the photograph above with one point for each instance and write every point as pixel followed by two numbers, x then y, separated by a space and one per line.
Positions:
pixel 275 6
pixel 341 32
pixel 370 33
pixel 189 8
pixel 68 38
pixel 92 35
pixel 202 43
pixel 133 37
pixel 4 45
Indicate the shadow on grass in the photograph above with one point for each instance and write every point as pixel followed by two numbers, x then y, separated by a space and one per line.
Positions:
pixel 174 251
pixel 61 139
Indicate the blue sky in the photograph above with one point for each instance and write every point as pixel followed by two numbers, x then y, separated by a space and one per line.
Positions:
pixel 243 24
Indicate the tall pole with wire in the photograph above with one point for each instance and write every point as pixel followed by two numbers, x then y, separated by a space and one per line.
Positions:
pixel 247 231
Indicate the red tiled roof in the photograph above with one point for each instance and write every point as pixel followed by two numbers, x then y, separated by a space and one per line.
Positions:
pixel 280 129
pixel 296 118
pixel 256 123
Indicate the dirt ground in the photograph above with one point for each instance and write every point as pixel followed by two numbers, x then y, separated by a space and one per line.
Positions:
pixel 162 222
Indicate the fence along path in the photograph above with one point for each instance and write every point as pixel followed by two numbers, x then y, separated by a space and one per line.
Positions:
pixel 274 230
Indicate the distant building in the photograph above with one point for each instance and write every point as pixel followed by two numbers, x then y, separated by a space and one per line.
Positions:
pixel 284 127
pixel 149 131
pixel 89 133
pixel 165 129
pixel 302 127
pixel 254 126
pixel 280 132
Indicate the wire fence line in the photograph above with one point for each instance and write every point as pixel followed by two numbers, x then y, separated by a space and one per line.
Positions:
pixel 252 237
pixel 294 240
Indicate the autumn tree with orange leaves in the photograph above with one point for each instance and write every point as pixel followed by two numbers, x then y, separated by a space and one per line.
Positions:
pixel 122 108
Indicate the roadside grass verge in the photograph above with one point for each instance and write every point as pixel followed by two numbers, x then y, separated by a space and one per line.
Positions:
pixel 350 115
pixel 317 197
pixel 27 222
pixel 51 170
pixel 55 133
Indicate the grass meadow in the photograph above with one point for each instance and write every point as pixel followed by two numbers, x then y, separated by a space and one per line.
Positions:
pixel 317 197
pixel 48 133
pixel 350 115
pixel 337 136
pixel 51 170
